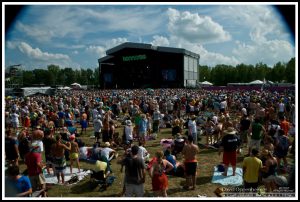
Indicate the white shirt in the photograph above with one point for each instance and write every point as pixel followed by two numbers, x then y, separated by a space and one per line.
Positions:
pixel 142 153
pixel 192 126
pixel 128 132
pixel 14 118
pixel 105 152
pixel 97 125
pixel 281 107
pixel 38 143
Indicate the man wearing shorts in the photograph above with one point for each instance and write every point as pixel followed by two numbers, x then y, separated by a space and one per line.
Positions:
pixel 59 161
pixel 189 151
pixel 257 130
pixel 229 145
pixel 33 160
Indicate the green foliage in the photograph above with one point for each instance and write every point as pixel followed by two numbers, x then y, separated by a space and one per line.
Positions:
pixel 54 75
pixel 222 74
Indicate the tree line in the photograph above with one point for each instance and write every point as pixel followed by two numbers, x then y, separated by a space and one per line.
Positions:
pixel 220 75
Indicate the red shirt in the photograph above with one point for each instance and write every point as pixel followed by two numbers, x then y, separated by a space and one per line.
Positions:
pixel 285 126
pixel 31 160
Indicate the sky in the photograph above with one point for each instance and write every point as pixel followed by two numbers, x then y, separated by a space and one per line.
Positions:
pixel 78 35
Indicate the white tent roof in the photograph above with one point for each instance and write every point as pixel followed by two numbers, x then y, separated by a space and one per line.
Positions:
pixel 75 84
pixel 206 83
pixel 64 88
pixel 256 82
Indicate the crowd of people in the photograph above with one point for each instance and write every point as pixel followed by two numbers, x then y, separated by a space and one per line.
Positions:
pixel 260 124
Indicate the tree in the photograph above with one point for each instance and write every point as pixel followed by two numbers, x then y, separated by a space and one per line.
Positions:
pixel 290 71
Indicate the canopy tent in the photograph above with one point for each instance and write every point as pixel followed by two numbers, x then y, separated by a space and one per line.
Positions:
pixel 206 83
pixel 64 88
pixel 256 82
pixel 76 85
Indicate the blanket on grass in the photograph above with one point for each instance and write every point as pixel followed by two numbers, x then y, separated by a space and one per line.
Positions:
pixel 236 180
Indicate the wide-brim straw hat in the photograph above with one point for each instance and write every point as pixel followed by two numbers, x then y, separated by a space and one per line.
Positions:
pixel 230 131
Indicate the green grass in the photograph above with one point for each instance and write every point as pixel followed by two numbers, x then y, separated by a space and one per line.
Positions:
pixel 207 159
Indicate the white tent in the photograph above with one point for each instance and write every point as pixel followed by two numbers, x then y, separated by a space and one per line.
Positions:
pixel 256 82
pixel 206 83
pixel 76 85
pixel 64 88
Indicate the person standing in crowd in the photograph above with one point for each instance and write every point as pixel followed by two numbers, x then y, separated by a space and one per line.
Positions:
pixel 128 130
pixel 83 123
pixel 143 153
pixel 156 120
pixel 193 129
pixel 59 161
pixel 189 152
pixel 281 148
pixel 158 174
pixel 74 153
pixel 229 145
pixel 14 119
pixel 252 166
pixel 284 125
pixel 143 127
pixel 48 141
pixel 12 154
pixel 258 131
pixel 135 174
pixel 97 127
pixel 269 171
pixel 244 129
pixel 17 185
pixel 33 161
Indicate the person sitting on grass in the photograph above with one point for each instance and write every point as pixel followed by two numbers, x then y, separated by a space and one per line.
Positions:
pixel 74 153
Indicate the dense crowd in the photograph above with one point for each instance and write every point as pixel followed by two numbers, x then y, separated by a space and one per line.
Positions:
pixel 259 123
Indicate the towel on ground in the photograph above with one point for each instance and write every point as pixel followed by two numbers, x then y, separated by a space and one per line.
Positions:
pixel 236 180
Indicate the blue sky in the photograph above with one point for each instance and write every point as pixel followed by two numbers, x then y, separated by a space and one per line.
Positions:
pixel 78 35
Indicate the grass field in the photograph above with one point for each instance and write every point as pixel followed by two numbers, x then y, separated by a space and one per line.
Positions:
pixel 207 159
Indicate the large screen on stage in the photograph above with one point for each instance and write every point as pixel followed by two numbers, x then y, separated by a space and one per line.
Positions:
pixel 168 74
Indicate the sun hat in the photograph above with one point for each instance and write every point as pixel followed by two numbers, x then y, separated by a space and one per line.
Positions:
pixel 230 131
pixel 128 122
pixel 107 144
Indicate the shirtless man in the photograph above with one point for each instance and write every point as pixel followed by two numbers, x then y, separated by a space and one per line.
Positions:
pixel 58 151
pixel 190 151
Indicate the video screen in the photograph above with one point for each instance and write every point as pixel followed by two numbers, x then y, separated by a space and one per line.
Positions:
pixel 168 74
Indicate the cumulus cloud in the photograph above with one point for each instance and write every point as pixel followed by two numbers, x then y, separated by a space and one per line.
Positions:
pixel 195 28
pixel 160 41
pixel 269 52
pixel 100 51
pixel 208 58
pixel 11 44
pixel 37 54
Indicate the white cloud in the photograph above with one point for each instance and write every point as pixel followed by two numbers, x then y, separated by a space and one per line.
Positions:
pixel 195 28
pixel 210 58
pixel 269 52
pixel 261 21
pixel 101 50
pixel 37 54
pixel 11 44
pixel 160 41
